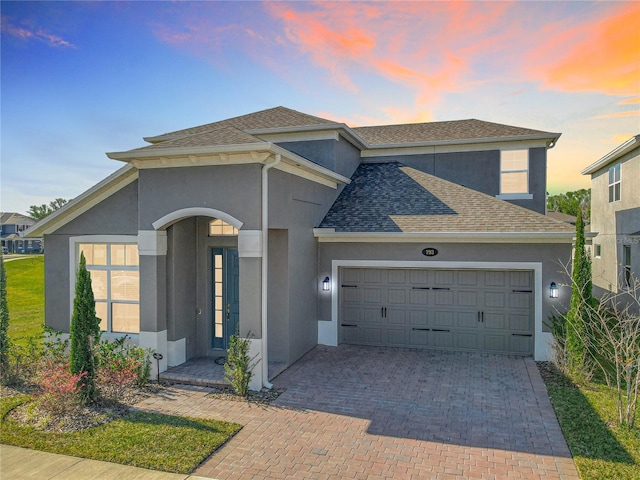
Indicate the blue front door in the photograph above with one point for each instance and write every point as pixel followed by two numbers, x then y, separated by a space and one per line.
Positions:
pixel 225 286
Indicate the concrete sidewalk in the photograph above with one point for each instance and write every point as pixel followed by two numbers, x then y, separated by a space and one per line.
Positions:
pixel 23 463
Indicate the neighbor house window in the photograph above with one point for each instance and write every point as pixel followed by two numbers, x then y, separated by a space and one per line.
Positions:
pixel 614 183
pixel 514 172
pixel 220 227
pixel 597 250
pixel 115 278
pixel 626 265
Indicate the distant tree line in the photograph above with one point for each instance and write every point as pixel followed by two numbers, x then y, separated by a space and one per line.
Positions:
pixel 40 211
pixel 572 203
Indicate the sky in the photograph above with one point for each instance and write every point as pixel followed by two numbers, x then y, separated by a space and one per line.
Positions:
pixel 79 79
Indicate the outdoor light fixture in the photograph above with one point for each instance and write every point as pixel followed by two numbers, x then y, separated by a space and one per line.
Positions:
pixel 553 290
pixel 326 284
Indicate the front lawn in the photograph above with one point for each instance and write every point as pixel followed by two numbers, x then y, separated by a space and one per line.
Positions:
pixel 587 416
pixel 25 297
pixel 141 439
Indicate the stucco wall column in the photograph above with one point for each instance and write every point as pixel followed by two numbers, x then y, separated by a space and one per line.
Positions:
pixel 152 249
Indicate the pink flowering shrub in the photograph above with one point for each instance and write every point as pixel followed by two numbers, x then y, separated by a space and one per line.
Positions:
pixel 60 388
pixel 115 376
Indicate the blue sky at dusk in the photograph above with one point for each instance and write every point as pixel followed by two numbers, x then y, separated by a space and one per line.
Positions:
pixel 80 79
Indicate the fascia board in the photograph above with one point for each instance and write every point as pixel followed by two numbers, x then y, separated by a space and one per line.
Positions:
pixel 548 138
pixel 185 151
pixel 83 202
pixel 612 156
pixel 298 161
pixel 329 235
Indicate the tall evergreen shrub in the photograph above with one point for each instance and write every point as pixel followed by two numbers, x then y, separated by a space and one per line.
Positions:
pixel 4 318
pixel 581 300
pixel 85 328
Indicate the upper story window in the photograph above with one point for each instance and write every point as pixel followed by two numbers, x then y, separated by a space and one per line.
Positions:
pixel 220 227
pixel 614 183
pixel 115 279
pixel 514 172
pixel 597 250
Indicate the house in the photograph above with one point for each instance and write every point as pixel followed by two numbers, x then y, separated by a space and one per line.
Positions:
pixel 304 231
pixel 13 227
pixel 615 217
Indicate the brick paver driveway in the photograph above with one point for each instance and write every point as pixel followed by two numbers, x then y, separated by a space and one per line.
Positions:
pixel 373 413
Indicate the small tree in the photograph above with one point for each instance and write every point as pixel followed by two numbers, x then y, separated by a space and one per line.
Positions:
pixel 238 369
pixel 4 319
pixel 581 296
pixel 85 328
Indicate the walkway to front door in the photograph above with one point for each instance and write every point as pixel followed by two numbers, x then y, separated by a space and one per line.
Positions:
pixel 376 412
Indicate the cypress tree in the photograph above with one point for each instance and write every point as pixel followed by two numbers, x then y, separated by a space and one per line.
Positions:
pixel 581 300
pixel 85 327
pixel 4 318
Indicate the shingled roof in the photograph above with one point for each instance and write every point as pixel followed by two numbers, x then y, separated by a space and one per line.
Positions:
pixel 388 197
pixel 278 117
pixel 450 131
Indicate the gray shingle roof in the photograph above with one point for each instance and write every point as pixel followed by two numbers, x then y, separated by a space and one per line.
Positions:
pixel 278 117
pixel 441 131
pixel 387 197
pixel 224 135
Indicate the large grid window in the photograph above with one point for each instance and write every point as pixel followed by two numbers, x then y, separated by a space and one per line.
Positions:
pixel 115 278
pixel 514 171
pixel 614 183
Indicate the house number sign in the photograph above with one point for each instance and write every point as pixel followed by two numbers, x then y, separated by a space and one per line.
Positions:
pixel 430 252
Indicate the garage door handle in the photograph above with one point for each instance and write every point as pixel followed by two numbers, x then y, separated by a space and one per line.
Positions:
pixel 440 330
pixel 522 335
pixel 348 325
pixel 421 329
pixel 420 288
pixel 522 291
pixel 349 286
pixel 441 288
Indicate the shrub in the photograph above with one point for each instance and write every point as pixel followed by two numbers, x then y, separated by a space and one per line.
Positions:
pixel 239 366
pixel 4 319
pixel 60 389
pixel 116 376
pixel 117 354
pixel 85 327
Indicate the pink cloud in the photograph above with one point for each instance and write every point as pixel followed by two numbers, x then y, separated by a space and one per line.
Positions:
pixel 630 113
pixel 27 34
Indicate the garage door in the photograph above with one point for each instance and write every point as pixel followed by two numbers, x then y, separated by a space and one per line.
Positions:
pixel 471 310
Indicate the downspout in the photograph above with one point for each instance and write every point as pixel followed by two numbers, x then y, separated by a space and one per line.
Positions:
pixel 265 266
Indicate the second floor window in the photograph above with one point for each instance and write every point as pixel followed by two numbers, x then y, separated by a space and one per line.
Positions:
pixel 614 183
pixel 514 171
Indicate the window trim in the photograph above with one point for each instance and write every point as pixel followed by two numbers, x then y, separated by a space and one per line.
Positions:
pixel 515 195
pixel 597 250
pixel 73 252
pixel 613 183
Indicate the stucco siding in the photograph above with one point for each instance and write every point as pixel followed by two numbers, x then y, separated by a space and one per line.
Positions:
pixel 278 297
pixel 232 189
pixel 480 170
pixel 116 215
pixel 57 310
pixel 614 222
pixel 337 155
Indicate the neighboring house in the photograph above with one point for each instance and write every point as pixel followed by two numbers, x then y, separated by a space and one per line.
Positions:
pixel 13 226
pixel 615 217
pixel 305 231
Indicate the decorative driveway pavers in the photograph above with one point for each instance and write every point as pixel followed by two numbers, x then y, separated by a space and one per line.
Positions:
pixel 374 413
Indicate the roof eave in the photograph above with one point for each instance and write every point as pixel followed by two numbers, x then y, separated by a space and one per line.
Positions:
pixel 265 147
pixel 551 137
pixel 612 156
pixel 330 235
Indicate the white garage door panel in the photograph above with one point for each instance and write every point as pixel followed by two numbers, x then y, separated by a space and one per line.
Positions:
pixel 473 310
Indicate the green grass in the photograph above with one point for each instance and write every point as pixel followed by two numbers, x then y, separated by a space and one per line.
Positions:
pixel 141 439
pixel 25 298
pixel 588 417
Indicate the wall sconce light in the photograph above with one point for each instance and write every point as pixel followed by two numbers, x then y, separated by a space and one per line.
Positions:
pixel 553 290
pixel 326 284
